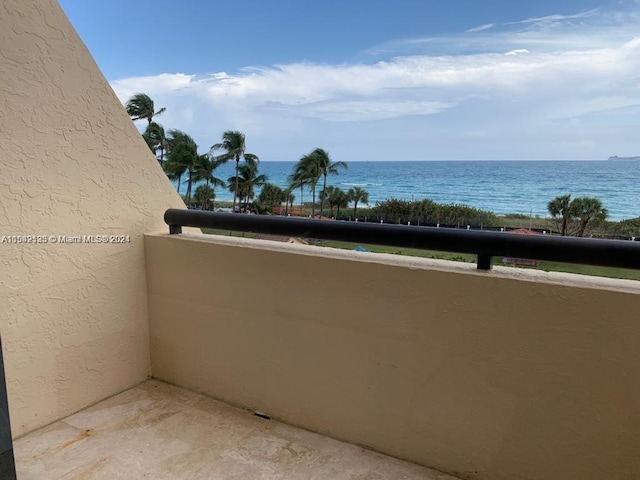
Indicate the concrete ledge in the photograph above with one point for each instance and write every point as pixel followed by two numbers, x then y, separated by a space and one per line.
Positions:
pixel 526 275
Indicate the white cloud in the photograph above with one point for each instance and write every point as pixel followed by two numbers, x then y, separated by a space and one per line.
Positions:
pixel 365 110
pixel 596 28
pixel 556 18
pixel 165 82
pixel 481 28
pixel 527 101
pixel 403 80
pixel 517 51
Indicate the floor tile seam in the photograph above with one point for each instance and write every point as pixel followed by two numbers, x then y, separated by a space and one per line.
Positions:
pixel 61 419
pixel 51 450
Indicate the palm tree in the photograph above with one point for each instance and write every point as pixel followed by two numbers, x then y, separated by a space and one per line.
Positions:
pixel 141 106
pixel 357 194
pixel 173 167
pixel 243 184
pixel 297 180
pixel 205 170
pixel 561 207
pixel 329 194
pixel 233 144
pixel 271 196
pixel 204 195
pixel 588 210
pixel 174 173
pixel 336 197
pixel 343 201
pixel 182 158
pixel 326 167
pixel 289 197
pixel 155 137
pixel 307 172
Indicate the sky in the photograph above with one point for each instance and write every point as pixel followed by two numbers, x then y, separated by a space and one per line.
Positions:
pixel 371 80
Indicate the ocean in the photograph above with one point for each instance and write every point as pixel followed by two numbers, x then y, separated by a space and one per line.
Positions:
pixel 503 187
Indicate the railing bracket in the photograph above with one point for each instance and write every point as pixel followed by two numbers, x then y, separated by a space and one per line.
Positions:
pixel 485 262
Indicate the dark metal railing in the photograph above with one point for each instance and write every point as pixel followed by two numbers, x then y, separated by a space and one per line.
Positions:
pixel 486 245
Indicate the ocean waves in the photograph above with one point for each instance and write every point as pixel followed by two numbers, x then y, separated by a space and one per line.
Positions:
pixel 523 187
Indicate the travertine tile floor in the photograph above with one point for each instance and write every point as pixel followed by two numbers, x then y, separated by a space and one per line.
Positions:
pixel 157 431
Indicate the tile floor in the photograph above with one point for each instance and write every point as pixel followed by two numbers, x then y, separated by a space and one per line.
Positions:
pixel 158 431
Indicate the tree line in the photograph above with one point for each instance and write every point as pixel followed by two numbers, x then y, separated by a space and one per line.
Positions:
pixel 179 156
pixel 570 217
pixel 428 212
pixel 177 153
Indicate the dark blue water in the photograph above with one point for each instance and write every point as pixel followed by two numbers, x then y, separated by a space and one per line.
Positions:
pixel 500 186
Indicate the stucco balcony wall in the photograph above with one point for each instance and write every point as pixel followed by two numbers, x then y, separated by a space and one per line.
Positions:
pixel 496 375
pixel 73 314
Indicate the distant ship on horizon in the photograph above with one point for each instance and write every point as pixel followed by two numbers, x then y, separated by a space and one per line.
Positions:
pixel 616 157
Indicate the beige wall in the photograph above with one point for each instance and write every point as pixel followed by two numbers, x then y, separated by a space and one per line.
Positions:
pixel 73 318
pixel 479 374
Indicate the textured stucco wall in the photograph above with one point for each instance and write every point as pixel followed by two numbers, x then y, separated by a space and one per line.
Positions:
pixel 73 318
pixel 490 375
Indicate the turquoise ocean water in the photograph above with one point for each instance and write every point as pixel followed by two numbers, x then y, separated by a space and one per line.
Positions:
pixel 500 186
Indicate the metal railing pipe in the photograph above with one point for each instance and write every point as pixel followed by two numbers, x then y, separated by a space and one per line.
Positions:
pixel 484 244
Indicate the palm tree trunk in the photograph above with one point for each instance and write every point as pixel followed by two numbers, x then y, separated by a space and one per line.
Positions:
pixel 355 209
pixel 189 182
pixel 235 191
pixel 313 202
pixel 301 200
pixel 206 197
pixel 583 227
pixel 324 189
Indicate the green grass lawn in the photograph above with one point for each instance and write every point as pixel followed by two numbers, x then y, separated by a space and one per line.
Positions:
pixel 226 233
pixel 590 270
pixel 461 257
pixel 466 257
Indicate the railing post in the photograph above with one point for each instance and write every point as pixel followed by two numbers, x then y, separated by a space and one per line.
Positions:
pixel 7 461
pixel 175 229
pixel 484 261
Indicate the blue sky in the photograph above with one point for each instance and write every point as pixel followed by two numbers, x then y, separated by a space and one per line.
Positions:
pixel 372 80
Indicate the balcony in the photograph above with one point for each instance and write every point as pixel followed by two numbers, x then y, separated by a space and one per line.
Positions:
pixel 481 374
pixel 484 374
